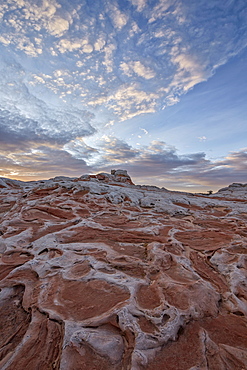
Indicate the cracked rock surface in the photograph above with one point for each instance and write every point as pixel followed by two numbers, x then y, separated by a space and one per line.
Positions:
pixel 99 274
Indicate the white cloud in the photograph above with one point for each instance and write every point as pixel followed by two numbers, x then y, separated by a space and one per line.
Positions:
pixel 143 71
pixel 119 19
pixel 39 79
pixel 66 45
pixel 79 63
pixel 134 29
pixel 160 10
pixel 71 45
pixel 28 47
pixel 170 100
pixel 79 149
pixel 108 62
pixel 99 43
pixel 126 69
pixel 144 130
pixel 87 48
pixel 57 26
pixel 26 17
pixel 4 40
pixel 138 68
pixel 140 4
pixel 129 102
pixel 188 73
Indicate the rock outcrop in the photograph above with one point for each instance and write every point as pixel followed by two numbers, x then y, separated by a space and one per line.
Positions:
pixel 97 273
pixel 235 189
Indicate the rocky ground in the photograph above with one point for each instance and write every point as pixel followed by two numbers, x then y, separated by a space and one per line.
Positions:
pixel 100 274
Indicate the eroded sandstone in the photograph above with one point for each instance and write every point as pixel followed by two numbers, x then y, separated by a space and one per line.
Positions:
pixel 97 273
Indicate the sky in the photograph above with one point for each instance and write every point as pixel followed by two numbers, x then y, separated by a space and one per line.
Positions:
pixel 155 87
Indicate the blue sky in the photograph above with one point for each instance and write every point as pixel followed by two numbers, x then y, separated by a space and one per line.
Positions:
pixel 157 87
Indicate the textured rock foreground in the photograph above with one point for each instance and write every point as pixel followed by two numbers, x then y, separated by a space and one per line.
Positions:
pixel 99 274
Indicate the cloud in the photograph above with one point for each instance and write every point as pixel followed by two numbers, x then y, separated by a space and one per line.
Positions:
pixel 107 48
pixel 189 72
pixel 115 150
pixel 165 167
pixel 144 130
pixel 29 20
pixel 4 40
pixel 138 68
pixel 119 19
pixel 24 117
pixel 130 101
pixel 99 43
pixel 78 66
pixel 160 158
pixel 235 160
pixel 80 150
pixel 140 4
pixel 42 163
pixel 156 159
pixel 216 174
pixel 57 26
pixel 66 45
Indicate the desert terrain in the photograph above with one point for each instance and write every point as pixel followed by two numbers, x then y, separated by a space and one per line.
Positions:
pixel 100 274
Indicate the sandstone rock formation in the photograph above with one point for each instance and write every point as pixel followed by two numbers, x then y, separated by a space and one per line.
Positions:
pixel 100 274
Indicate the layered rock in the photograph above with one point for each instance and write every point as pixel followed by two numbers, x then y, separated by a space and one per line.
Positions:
pixel 97 273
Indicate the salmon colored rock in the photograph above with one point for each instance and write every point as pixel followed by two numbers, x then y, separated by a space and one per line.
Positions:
pixel 99 274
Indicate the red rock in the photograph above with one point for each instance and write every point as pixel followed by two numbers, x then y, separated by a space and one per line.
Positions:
pixel 5 270
pixel 99 274
pixel 207 272
pixel 204 240
pixel 146 325
pixel 202 344
pixel 16 257
pixel 83 358
pixel 93 298
pixel 148 296
pixel 41 346
pixel 14 320
pixel 80 269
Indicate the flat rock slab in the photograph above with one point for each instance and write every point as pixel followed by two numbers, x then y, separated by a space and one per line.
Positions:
pixel 81 300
